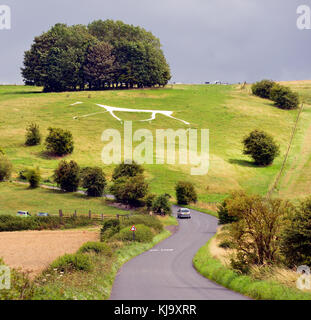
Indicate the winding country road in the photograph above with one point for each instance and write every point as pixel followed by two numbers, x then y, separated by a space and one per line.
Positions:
pixel 166 273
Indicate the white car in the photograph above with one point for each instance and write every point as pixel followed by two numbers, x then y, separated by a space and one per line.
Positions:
pixel 23 214
pixel 183 213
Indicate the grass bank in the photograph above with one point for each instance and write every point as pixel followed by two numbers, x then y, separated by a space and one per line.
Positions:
pixel 214 270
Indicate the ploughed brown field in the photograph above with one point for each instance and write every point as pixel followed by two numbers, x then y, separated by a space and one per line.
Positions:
pixel 33 251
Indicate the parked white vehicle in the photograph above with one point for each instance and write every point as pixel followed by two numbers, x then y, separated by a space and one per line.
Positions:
pixel 23 214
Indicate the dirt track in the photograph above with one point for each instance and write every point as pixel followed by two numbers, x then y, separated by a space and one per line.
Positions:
pixel 34 250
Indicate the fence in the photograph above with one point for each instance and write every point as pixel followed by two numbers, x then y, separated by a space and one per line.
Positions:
pixel 93 216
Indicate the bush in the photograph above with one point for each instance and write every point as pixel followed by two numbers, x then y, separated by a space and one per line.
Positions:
pixel 59 141
pixel 284 97
pixel 33 177
pixel 130 190
pixel 161 205
pixel 33 136
pixel 261 147
pixel 5 168
pixel 93 179
pixel 110 227
pixel 149 221
pixel 263 88
pixel 97 247
pixel 22 174
pixel 255 235
pixel 73 262
pixel 223 214
pixel 67 176
pixel 226 244
pixel 127 170
pixel 142 234
pixel 148 201
pixel 185 193
pixel 296 236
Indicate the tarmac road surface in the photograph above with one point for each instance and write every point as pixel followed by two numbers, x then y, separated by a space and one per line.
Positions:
pixel 166 272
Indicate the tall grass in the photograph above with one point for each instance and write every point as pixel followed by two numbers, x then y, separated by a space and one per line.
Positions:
pixel 261 290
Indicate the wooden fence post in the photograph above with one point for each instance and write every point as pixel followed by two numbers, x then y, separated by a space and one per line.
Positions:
pixel 102 216
pixel 118 216
pixel 90 214
pixel 75 214
pixel 60 213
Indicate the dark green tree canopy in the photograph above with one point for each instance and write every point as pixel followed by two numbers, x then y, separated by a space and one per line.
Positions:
pixel 102 55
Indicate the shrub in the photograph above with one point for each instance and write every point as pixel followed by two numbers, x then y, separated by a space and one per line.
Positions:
pixel 296 236
pixel 226 244
pixel 142 234
pixel 33 177
pixel 93 179
pixel 5 168
pixel 130 190
pixel 59 141
pixel 261 147
pixel 255 235
pixel 97 247
pixel 148 201
pixel 161 205
pixel 263 88
pixel 33 136
pixel 149 221
pixel 223 214
pixel 110 227
pixel 185 193
pixel 67 176
pixel 22 174
pixel 73 262
pixel 284 97
pixel 127 170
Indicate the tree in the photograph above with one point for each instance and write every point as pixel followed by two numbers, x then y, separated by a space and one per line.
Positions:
pixel 296 236
pixel 130 190
pixel 261 147
pixel 33 177
pixel 127 170
pixel 263 88
pixel 99 65
pixel 185 193
pixel 67 176
pixel 161 205
pixel 223 214
pixel 33 136
pixel 255 234
pixel 284 97
pixel 93 179
pixel 59 141
pixel 5 168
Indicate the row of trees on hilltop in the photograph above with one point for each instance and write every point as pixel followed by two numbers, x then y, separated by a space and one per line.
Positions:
pixel 104 54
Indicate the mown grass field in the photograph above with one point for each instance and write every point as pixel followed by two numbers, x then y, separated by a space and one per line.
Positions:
pixel 14 197
pixel 229 112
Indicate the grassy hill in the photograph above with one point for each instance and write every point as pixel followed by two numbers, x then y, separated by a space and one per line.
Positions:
pixel 229 112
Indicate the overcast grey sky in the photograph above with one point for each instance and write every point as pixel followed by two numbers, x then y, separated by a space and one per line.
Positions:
pixel 203 40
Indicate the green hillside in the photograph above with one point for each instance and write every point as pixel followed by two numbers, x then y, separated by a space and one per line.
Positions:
pixel 229 112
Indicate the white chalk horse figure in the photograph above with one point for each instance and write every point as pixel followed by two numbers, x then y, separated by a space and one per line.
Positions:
pixel 112 111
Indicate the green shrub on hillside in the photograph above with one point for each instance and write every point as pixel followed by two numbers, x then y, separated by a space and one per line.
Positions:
pixel 223 214
pixel 161 205
pixel 127 170
pixel 67 176
pixel 130 190
pixel 296 236
pixel 97 247
pixel 33 136
pixel 33 177
pixel 93 179
pixel 5 168
pixel 185 193
pixel 261 147
pixel 110 227
pixel 149 221
pixel 263 88
pixel 284 97
pixel 142 234
pixel 72 262
pixel 59 142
